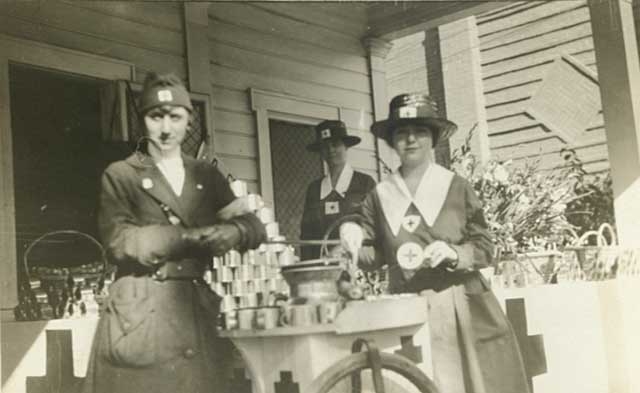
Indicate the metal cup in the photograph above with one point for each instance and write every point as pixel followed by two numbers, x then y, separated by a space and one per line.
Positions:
pixel 272 284
pixel 299 315
pixel 226 274
pixel 260 272
pixel 328 312
pixel 245 272
pixel 208 277
pixel 254 202
pixel 218 288
pixel 249 258
pixel 238 287
pixel 265 214
pixel 248 300
pixel 273 230
pixel 234 259
pixel 239 188
pixel 217 262
pixel 267 317
pixel 228 303
pixel 259 285
pixel 246 318
pixel 231 320
pixel 287 257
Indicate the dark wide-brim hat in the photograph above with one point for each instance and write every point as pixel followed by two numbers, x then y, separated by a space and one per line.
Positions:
pixel 332 130
pixel 419 109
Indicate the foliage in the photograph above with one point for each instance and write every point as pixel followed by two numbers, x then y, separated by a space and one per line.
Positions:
pixel 596 207
pixel 524 205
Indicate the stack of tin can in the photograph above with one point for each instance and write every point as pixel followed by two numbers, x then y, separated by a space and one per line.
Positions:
pixel 251 279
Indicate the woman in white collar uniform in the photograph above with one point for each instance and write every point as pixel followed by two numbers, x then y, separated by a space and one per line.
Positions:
pixel 427 225
pixel 158 221
pixel 338 193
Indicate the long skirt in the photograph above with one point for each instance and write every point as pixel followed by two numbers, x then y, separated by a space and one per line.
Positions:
pixel 158 337
pixel 474 348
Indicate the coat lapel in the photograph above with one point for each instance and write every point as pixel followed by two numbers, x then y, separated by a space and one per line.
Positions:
pixel 153 182
pixel 193 190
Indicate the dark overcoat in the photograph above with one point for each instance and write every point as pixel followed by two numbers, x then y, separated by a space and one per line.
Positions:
pixel 159 335
pixel 474 349
pixel 316 219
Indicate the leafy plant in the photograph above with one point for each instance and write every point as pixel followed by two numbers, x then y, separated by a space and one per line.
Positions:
pixel 524 205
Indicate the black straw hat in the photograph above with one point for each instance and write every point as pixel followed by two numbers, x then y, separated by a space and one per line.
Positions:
pixel 332 130
pixel 413 109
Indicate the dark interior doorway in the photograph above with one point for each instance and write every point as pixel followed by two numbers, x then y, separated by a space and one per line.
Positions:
pixel 293 169
pixel 58 157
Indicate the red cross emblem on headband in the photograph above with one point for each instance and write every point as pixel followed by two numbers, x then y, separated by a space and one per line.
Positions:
pixel 325 133
pixel 165 96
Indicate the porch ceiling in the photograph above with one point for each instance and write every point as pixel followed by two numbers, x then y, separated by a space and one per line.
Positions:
pixel 395 19
pixel 387 19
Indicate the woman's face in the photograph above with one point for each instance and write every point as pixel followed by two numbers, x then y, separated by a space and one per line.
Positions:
pixel 167 126
pixel 413 143
pixel 334 152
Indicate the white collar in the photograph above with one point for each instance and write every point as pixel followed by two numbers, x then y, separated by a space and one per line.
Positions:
pixel 432 191
pixel 342 185
pixel 173 171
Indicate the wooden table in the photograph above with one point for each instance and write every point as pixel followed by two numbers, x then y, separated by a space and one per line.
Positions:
pixel 278 359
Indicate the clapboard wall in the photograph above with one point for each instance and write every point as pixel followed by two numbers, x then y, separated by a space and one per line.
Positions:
pixel 518 44
pixel 312 51
pixel 148 35
pixel 405 66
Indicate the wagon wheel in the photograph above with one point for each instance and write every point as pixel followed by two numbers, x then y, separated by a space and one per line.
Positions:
pixel 398 373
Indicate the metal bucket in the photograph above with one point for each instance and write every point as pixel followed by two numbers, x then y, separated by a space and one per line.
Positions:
pixel 313 281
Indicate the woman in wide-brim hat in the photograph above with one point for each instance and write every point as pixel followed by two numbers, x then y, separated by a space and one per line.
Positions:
pixel 428 227
pixel 339 192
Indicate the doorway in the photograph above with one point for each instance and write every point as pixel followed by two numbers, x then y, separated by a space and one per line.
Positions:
pixel 293 169
pixel 58 157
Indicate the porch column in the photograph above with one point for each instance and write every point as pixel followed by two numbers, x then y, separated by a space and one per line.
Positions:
pixel 462 84
pixel 377 51
pixel 619 76
pixel 8 272
pixel 196 30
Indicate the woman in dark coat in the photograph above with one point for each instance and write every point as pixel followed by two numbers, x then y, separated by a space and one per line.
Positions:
pixel 427 225
pixel 338 193
pixel 157 220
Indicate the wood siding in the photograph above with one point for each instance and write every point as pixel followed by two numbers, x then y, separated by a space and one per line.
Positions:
pixel 310 51
pixel 149 35
pixel 406 66
pixel 518 44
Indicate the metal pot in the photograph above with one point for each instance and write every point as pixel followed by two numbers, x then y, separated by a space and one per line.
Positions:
pixel 313 281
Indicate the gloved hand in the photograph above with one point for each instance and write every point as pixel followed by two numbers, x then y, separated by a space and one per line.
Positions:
pixel 351 237
pixel 218 238
pixel 440 252
pixel 221 238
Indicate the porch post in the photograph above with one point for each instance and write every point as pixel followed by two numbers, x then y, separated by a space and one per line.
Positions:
pixel 196 29
pixel 8 267
pixel 462 84
pixel 619 76
pixel 377 51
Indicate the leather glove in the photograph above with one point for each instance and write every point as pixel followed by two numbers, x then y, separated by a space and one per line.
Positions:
pixel 221 238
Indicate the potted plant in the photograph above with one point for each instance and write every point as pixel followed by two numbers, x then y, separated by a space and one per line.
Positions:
pixel 525 209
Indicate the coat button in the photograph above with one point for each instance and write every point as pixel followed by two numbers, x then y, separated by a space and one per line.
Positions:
pixel 126 325
pixel 189 353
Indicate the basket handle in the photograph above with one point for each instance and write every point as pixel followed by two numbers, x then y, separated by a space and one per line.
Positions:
pixel 324 251
pixel 612 233
pixel 103 253
pixel 601 240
